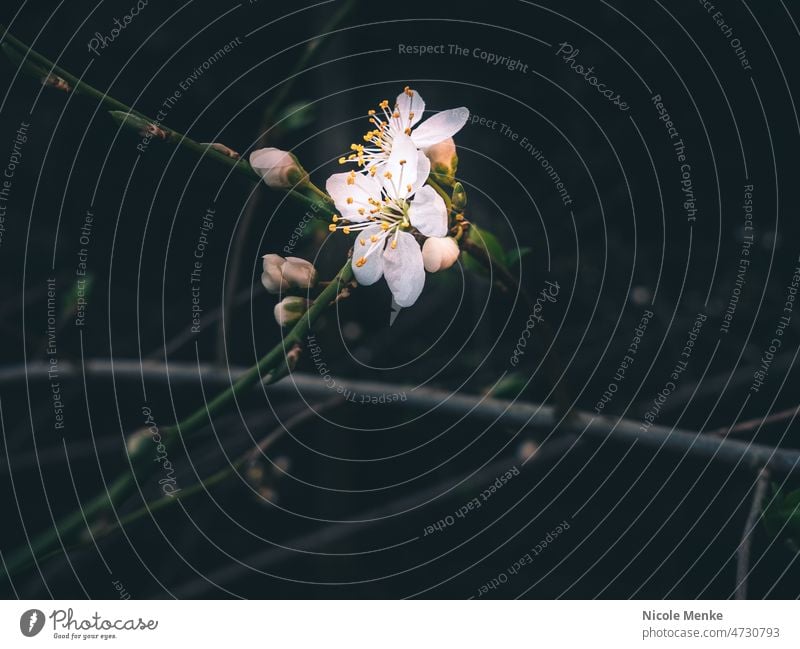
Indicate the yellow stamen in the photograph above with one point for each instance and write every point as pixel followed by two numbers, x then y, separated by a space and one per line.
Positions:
pixel 361 262
pixel 346 230
pixel 332 228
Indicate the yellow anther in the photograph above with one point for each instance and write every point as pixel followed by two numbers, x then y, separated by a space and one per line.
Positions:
pixel 346 230
pixel 362 242
pixel 361 211
pixel 349 200
pixel 342 160
pixel 408 91
pixel 459 217
pixel 408 187
pixel 374 238
pixel 361 262
pixel 384 104
pixel 371 111
pixel 335 218
pixel 372 170
pixel 388 175
pixel 408 131
pixel 384 226
pixel 394 244
pixel 396 114
pixel 402 162
pixel 410 115
pixel 331 228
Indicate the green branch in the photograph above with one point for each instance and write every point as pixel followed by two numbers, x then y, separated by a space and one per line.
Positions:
pixel 269 369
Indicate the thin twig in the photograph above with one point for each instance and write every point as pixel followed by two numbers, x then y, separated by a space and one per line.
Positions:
pixel 754 424
pixel 743 558
pixel 782 462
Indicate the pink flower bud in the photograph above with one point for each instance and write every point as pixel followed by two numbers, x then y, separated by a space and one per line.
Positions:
pixel 281 274
pixel 439 253
pixel 278 168
pixel 272 278
pixel 290 309
pixel 443 157
pixel 299 272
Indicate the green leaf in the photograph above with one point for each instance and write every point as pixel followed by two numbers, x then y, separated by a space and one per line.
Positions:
pixel 510 386
pixel 295 116
pixel 513 256
pixel 490 243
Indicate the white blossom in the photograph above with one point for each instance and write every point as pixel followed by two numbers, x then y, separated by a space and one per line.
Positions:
pixel 403 120
pixel 385 210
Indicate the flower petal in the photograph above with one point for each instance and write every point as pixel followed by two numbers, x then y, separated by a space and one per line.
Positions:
pixel 428 212
pixel 403 269
pixel 397 177
pixel 423 171
pixel 408 105
pixel 364 248
pixel 350 192
pixel 440 126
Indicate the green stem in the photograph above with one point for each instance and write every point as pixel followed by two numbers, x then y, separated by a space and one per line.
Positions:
pixel 40 67
pixel 272 364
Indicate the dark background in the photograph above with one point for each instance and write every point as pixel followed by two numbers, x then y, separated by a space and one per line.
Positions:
pixel 648 524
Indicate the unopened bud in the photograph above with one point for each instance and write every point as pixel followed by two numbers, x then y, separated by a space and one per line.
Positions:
pixel 281 274
pixel 459 198
pixel 299 272
pixel 439 253
pixel 290 309
pixel 278 168
pixel 443 157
